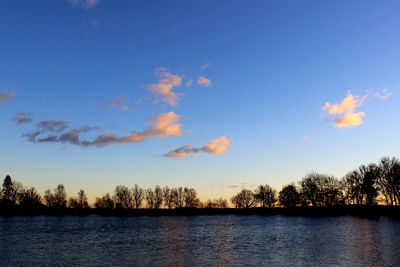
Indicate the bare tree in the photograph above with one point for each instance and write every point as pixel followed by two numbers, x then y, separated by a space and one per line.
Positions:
pixel 266 195
pixel 178 196
pixel 122 197
pixel 56 200
pixel 169 197
pixel 150 198
pixel 105 202
pixel 244 200
pixel 289 196
pixel 30 199
pixel 220 203
pixel 190 198
pixel 158 197
pixel 80 202
pixel 138 196
pixel 389 180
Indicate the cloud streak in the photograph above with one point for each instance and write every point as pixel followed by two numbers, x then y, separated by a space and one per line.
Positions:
pixel 6 96
pixel 164 88
pixel 85 4
pixel 22 118
pixel 217 146
pixel 56 131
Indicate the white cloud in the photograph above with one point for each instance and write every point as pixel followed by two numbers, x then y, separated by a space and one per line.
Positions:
pixel 204 81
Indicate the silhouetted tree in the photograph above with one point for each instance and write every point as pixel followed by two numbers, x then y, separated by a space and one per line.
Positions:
pixel 244 200
pixel 389 180
pixel 190 198
pixel 122 197
pixel 352 184
pixel 289 196
pixel 332 194
pixel 158 197
pixel 17 192
pixel 105 202
pixel 178 196
pixel 320 190
pixel 138 196
pixel 80 202
pixel 169 197
pixel 58 200
pixel 219 203
pixel 7 192
pixel 370 175
pixel 311 188
pixel 150 198
pixel 30 199
pixel 266 196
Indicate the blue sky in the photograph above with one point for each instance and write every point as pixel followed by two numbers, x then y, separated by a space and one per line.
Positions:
pixel 258 114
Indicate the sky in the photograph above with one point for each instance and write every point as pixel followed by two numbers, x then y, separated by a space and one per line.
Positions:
pixel 216 95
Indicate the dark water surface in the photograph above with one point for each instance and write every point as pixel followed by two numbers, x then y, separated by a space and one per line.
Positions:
pixel 199 241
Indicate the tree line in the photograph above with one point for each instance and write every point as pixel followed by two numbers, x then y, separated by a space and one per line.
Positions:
pixel 368 185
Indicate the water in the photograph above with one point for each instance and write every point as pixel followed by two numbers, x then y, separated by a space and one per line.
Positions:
pixel 199 241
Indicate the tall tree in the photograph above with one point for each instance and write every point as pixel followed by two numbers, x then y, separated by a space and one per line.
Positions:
pixel 266 196
pixel 122 197
pixel 289 196
pixel 138 196
pixel 7 192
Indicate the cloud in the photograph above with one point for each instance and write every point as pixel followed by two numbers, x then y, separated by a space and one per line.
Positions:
pixel 203 81
pixel 217 146
pixel 6 96
pixel 382 94
pixel 164 87
pixel 21 118
pixel 85 4
pixel 344 112
pixel 162 126
pixel 55 131
pixel 350 120
pixel 205 66
pixel 54 126
pixel 119 103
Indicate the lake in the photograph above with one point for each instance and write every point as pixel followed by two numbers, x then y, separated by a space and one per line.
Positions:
pixel 199 241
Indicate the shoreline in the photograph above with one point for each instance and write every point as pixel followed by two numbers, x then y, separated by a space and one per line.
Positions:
pixel 356 211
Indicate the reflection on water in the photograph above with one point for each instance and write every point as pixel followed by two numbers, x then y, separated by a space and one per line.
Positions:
pixel 204 241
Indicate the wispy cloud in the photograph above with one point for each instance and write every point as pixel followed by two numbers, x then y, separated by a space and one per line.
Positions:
pixel 56 131
pixel 217 146
pixel 119 103
pixel 164 88
pixel 21 118
pixel 344 112
pixel 204 81
pixel 6 96
pixel 85 4
pixel 205 65
pixel 382 94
